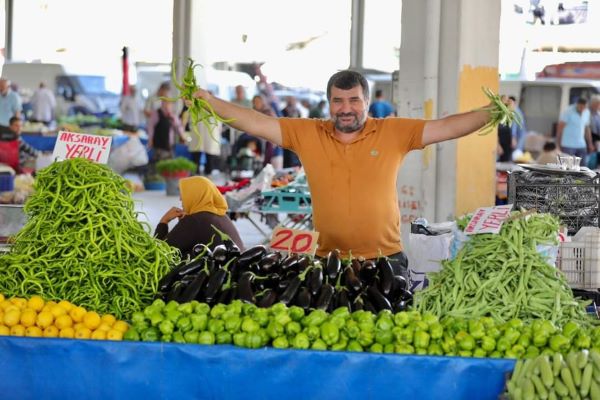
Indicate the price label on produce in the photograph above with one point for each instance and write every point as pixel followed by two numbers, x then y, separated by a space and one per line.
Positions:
pixel 294 240
pixel 488 219
pixel 81 145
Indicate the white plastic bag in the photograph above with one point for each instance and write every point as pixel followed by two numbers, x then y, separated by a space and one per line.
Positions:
pixel 425 254
pixel 129 155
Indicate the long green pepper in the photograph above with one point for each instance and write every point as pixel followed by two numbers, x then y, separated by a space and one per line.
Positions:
pixel 83 243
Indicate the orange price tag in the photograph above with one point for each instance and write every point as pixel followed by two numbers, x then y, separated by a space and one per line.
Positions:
pixel 294 240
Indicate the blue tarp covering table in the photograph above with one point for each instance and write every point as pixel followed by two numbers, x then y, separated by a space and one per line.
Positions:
pixel 75 369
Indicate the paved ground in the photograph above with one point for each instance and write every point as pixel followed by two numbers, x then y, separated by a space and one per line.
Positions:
pixel 153 204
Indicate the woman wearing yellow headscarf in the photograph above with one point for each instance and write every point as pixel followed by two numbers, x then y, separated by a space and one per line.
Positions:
pixel 203 207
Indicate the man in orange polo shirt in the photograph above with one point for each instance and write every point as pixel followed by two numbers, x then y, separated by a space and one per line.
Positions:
pixel 351 163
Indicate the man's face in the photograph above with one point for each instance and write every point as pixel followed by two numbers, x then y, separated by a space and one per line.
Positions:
pixel 348 109
pixel 580 107
pixel 594 105
pixel 16 126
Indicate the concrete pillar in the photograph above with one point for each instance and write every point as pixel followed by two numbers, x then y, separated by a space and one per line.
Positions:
pixel 189 36
pixel 449 50
pixel 357 34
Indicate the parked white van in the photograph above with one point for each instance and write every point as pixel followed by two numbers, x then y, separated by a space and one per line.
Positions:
pixel 544 99
pixel 71 90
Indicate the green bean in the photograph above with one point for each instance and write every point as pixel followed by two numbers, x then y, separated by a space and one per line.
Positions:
pixel 200 110
pixel 83 243
pixel 499 113
pixel 513 280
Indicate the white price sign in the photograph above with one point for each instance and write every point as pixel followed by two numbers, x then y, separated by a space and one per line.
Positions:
pixel 81 145
pixel 488 219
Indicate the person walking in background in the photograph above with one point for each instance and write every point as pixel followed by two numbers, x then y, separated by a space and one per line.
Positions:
pixel 153 102
pixel 519 130
pixel 203 209
pixel 43 104
pixel 259 104
pixel 318 111
pixel 291 110
pixel 595 128
pixel 10 103
pixel 380 108
pixel 240 97
pixel 573 134
pixel 206 141
pixel 163 126
pixel 130 111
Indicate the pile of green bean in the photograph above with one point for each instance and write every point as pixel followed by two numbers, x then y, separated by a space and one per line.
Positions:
pixel 83 243
pixel 504 276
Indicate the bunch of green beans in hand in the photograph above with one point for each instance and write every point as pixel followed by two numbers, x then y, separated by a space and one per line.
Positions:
pixel 83 243
pixel 500 113
pixel 200 110
pixel 504 276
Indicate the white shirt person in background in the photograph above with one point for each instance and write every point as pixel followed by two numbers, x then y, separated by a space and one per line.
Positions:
pixel 43 104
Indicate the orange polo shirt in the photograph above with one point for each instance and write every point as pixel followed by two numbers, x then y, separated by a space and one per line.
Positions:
pixel 353 186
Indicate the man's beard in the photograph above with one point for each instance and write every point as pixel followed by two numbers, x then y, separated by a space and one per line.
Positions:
pixel 357 125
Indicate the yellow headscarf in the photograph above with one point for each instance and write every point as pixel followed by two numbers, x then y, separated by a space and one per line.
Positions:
pixel 200 194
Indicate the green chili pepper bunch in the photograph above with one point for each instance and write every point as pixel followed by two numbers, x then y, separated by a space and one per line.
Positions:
pixel 500 114
pixel 200 110
pixel 83 243
pixel 504 276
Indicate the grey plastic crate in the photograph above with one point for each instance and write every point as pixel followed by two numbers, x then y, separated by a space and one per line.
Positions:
pixel 573 198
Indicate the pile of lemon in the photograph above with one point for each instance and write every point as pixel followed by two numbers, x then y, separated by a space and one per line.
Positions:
pixel 35 317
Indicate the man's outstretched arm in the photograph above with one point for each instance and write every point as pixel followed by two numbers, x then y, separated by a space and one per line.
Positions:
pixel 244 119
pixel 454 126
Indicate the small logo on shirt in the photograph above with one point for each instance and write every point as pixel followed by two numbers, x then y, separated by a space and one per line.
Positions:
pixel 374 153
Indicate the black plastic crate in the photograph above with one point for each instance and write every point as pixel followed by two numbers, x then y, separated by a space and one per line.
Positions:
pixel 573 198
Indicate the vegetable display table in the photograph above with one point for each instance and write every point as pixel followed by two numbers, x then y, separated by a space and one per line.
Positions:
pixel 33 368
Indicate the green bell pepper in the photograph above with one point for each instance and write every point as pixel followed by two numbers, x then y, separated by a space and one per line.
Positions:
pixel 184 324
pixel 281 342
pixel 166 327
pixel 330 333
pixel 421 340
pixel 206 337
pixel 199 322
pixel 318 345
pixel 353 345
pixel 301 341
pixel 191 337
pixel 216 326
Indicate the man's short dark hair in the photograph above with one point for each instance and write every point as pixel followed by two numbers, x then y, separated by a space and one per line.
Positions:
pixel 513 98
pixel 378 93
pixel 347 80
pixel 13 119
pixel 582 100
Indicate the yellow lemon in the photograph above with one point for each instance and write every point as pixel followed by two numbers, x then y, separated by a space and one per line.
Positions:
pixel 67 306
pixel 35 302
pixel 28 317
pixel 33 331
pixel 44 319
pixel 63 321
pixel 68 333
pixel 7 305
pixel 109 319
pixel 57 310
pixel 121 326
pixel 17 330
pixel 4 330
pixel 104 327
pixel 78 325
pixel 91 319
pixel 12 317
pixel 114 334
pixel 1 297
pixel 51 331
pixel 83 333
pixel 19 301
pixel 98 335
pixel 77 313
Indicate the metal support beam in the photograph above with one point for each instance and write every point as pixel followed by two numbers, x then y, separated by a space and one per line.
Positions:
pixel 182 23
pixel 8 33
pixel 357 34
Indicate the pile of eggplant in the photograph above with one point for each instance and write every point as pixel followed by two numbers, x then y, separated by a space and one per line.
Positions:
pixel 264 278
